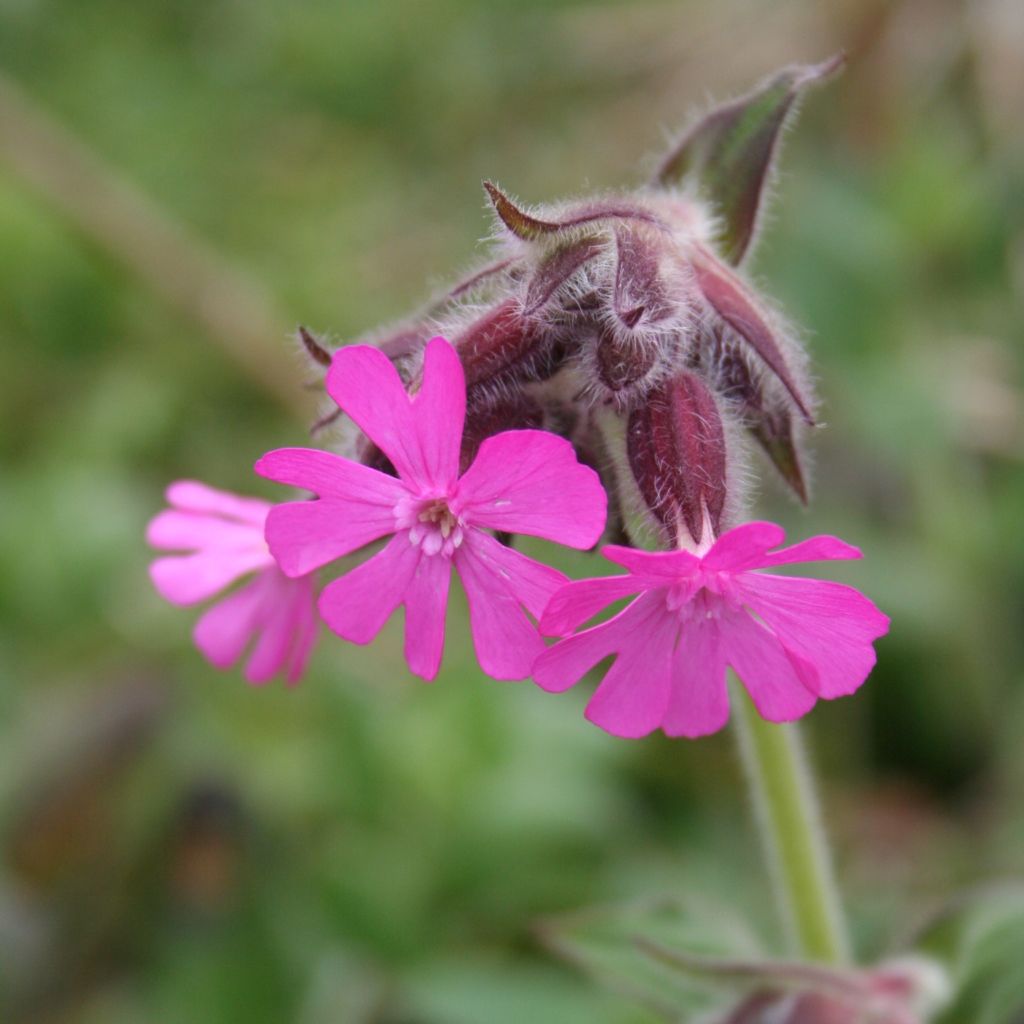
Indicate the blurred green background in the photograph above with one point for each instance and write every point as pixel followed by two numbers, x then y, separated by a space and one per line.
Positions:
pixel 178 846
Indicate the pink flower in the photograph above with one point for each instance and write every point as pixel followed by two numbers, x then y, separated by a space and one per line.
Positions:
pixel 790 640
pixel 522 481
pixel 221 537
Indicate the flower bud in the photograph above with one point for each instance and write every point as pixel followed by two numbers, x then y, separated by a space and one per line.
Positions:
pixel 501 343
pixel 623 312
pixel 677 452
pixel 643 292
pixel 622 360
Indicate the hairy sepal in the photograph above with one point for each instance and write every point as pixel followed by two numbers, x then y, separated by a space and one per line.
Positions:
pixel 676 446
pixel 529 227
pixel 729 154
pixel 762 407
pixel 731 306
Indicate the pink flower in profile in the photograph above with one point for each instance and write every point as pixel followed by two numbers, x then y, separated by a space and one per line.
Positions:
pixel 522 481
pixel 790 640
pixel 220 537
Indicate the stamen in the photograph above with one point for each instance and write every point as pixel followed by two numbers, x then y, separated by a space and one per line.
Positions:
pixel 436 528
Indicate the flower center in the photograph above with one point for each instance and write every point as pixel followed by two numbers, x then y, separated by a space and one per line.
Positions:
pixel 432 525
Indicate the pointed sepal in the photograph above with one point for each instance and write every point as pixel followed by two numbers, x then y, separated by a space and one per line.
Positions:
pixel 529 228
pixel 736 309
pixel 766 414
pixel 730 152
pixel 557 269
pixel 316 352
pixel 520 223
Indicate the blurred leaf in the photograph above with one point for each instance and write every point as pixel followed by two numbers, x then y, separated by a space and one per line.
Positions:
pixel 614 946
pixel 981 939
pixel 472 990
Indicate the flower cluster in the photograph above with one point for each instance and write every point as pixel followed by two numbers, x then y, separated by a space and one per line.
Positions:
pixel 626 324
pixel 599 374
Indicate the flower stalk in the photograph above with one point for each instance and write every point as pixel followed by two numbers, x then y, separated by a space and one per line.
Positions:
pixel 787 813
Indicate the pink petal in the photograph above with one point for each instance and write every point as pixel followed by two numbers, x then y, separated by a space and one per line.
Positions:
pixel 357 605
pixel 306 628
pixel 764 668
pixel 658 568
pixel 426 602
pixel 187 579
pixel 531 583
pixel 815 549
pixel 529 481
pixel 826 624
pixel 365 384
pixel 303 535
pixel 699 702
pixel 331 476
pixel 576 602
pixel 498 582
pixel 564 664
pixel 743 547
pixel 281 611
pixel 633 697
pixel 224 630
pixel 270 653
pixel 439 408
pixel 192 496
pixel 747 547
pixel 172 530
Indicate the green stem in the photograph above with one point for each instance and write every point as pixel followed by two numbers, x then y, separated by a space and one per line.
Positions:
pixel 786 809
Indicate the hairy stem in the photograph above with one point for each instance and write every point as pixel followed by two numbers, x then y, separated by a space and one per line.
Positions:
pixel 786 809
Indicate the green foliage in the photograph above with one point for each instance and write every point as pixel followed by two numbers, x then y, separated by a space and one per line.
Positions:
pixel 981 939
pixel 367 848
pixel 622 949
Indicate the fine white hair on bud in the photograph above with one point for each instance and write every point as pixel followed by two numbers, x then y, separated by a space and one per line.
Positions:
pixel 624 323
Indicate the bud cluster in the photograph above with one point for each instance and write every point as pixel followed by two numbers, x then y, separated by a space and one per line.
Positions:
pixel 625 324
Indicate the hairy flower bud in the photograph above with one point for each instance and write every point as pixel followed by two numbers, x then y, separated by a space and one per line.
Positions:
pixel 623 360
pixel 677 452
pixel 504 344
pixel 626 313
